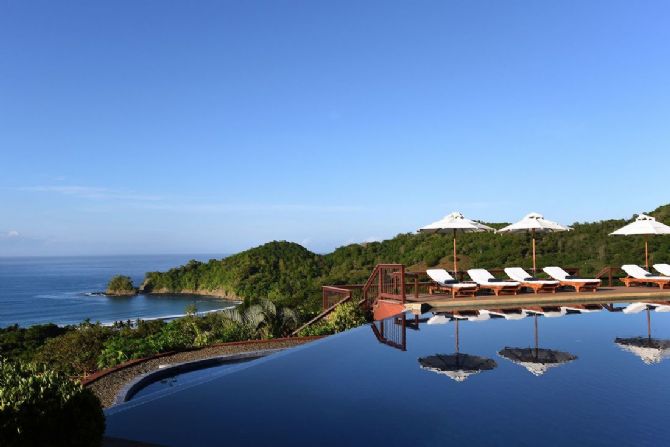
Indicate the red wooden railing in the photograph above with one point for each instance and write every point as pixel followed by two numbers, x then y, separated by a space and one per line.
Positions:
pixel 322 315
pixel 387 281
pixel 333 295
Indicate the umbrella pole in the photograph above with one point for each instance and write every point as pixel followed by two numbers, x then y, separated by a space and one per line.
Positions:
pixel 455 262
pixel 534 268
pixel 537 342
pixel 646 252
pixel 457 341
pixel 648 324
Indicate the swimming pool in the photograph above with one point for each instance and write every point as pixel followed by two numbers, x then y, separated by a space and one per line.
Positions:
pixel 177 377
pixel 535 380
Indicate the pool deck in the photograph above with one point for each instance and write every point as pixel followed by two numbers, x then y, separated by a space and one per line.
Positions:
pixel 442 302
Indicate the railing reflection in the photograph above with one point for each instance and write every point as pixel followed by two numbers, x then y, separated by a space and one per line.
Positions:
pixel 392 331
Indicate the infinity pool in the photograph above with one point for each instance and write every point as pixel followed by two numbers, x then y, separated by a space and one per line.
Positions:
pixel 180 379
pixel 532 381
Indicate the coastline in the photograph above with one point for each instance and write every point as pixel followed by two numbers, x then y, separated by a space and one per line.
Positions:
pixel 216 293
pixel 170 317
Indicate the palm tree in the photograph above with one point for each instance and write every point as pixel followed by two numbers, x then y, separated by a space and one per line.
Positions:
pixel 265 319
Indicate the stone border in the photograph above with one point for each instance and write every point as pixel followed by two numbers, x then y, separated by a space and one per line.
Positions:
pixel 102 373
pixel 131 388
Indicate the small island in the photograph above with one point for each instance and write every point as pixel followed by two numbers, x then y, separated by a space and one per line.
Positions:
pixel 121 285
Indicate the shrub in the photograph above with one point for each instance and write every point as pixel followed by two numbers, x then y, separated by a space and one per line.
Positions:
pixel 346 316
pixel 22 343
pixel 119 349
pixel 175 336
pixel 343 317
pixel 42 407
pixel 227 331
pixel 77 351
pixel 322 327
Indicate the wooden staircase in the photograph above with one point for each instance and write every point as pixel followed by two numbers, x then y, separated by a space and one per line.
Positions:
pixel 384 287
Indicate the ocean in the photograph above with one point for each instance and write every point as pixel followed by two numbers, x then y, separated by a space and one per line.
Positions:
pixel 36 290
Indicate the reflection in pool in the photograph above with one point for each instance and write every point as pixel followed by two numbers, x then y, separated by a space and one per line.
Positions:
pixel 378 385
pixel 457 366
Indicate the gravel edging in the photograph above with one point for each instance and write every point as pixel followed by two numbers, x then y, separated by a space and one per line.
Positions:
pixel 108 387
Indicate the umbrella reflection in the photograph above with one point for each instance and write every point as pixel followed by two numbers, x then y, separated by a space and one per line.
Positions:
pixel 457 366
pixel 536 360
pixel 649 350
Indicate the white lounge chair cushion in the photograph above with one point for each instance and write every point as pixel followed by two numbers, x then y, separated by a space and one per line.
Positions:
pixel 638 272
pixel 443 278
pixel 663 269
pixel 561 275
pixel 462 285
pixel 483 277
pixel 519 274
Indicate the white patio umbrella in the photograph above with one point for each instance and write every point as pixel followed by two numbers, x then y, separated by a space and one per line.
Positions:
pixel 534 223
pixel 453 223
pixel 643 225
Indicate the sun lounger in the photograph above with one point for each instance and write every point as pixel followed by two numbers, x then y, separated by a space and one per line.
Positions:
pixel 566 280
pixel 638 276
pixel 446 283
pixel 487 281
pixel 663 269
pixel 537 285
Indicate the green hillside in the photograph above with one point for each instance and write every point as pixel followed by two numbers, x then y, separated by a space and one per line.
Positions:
pixel 283 272
pixel 289 274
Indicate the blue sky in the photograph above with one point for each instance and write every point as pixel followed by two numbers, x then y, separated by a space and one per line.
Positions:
pixel 186 127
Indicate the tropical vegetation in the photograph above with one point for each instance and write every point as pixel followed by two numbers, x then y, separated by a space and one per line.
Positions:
pixel 42 407
pixel 82 349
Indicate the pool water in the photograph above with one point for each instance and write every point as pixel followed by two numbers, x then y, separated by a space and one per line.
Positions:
pixel 562 381
pixel 179 379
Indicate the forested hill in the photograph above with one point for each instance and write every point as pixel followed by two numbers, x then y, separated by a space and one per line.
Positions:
pixel 289 274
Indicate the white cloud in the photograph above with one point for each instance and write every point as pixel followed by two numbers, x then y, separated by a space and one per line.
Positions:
pixel 11 234
pixel 182 204
pixel 367 240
